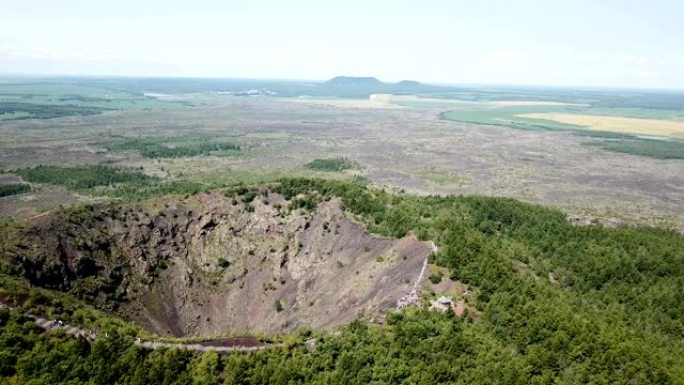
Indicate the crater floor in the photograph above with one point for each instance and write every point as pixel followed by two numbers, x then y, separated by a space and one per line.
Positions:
pixel 212 264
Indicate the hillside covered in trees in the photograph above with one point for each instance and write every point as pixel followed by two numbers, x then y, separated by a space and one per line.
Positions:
pixel 558 304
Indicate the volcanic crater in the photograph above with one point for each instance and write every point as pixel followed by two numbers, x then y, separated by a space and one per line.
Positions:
pixel 215 264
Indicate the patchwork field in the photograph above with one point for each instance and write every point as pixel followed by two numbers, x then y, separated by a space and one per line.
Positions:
pixel 409 149
pixel 37 98
pixel 655 132
pixel 649 127
pixel 526 144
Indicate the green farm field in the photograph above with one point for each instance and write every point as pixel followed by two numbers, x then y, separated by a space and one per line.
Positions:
pixel 190 139
pixel 652 132
pixel 25 99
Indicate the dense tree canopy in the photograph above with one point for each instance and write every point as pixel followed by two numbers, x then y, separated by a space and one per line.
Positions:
pixel 558 304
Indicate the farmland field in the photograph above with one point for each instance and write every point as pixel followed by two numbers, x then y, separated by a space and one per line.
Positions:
pixel 530 116
pixel 632 126
pixel 512 116
pixel 426 144
pixel 39 98
pixel 650 127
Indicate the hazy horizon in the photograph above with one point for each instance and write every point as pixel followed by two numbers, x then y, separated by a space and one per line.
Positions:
pixel 614 44
pixel 295 80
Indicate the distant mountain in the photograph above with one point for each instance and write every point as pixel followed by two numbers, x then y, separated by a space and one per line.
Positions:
pixel 409 83
pixel 353 81
pixel 363 86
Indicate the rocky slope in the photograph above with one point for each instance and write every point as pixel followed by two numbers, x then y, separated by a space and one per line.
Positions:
pixel 211 264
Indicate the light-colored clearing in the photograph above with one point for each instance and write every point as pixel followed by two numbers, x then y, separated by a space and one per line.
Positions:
pixel 345 103
pixel 417 99
pixel 395 101
pixel 637 126
pixel 499 103
pixel 521 103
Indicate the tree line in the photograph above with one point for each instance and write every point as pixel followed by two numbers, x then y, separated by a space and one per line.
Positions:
pixel 558 303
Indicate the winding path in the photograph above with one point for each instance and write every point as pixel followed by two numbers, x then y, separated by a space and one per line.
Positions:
pixel 412 297
pixel 91 335
pixel 201 348
pixel 66 328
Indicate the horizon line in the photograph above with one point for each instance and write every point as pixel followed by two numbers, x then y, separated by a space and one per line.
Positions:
pixel 284 79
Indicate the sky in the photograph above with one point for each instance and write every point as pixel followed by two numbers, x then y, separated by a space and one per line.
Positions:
pixel 594 43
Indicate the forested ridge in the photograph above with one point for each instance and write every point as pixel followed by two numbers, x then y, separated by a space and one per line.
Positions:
pixel 558 304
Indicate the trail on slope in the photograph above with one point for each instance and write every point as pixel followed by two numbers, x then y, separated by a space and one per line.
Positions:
pixel 77 332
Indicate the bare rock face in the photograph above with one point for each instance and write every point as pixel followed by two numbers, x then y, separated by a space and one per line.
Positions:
pixel 262 272
pixel 211 264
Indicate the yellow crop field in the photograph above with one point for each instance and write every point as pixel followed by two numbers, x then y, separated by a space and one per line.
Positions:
pixel 652 127
pixel 497 103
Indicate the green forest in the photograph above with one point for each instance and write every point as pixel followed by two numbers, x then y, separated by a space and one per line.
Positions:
pixel 559 304
pixel 151 148
pixel 98 180
pixel 43 111
pixel 14 189
pixel 83 177
pixel 659 149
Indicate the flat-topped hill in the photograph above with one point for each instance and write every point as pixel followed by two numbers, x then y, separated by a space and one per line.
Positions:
pixel 353 81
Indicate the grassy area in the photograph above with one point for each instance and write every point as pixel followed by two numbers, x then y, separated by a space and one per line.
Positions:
pixel 635 145
pixel 441 176
pixel 621 132
pixel 331 164
pixel 152 148
pixel 609 99
pixel 639 113
pixel 659 149
pixel 126 185
pixel 509 116
pixel 18 110
pixel 85 177
pixel 32 99
pixel 605 135
pixel 130 185
pixel 619 124
pixel 14 189
pixel 570 117
pixel 14 115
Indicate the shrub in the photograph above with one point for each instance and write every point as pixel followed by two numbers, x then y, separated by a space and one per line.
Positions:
pixel 331 165
pixel 14 189
pixel 151 148
pixel 83 177
pixel 436 278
